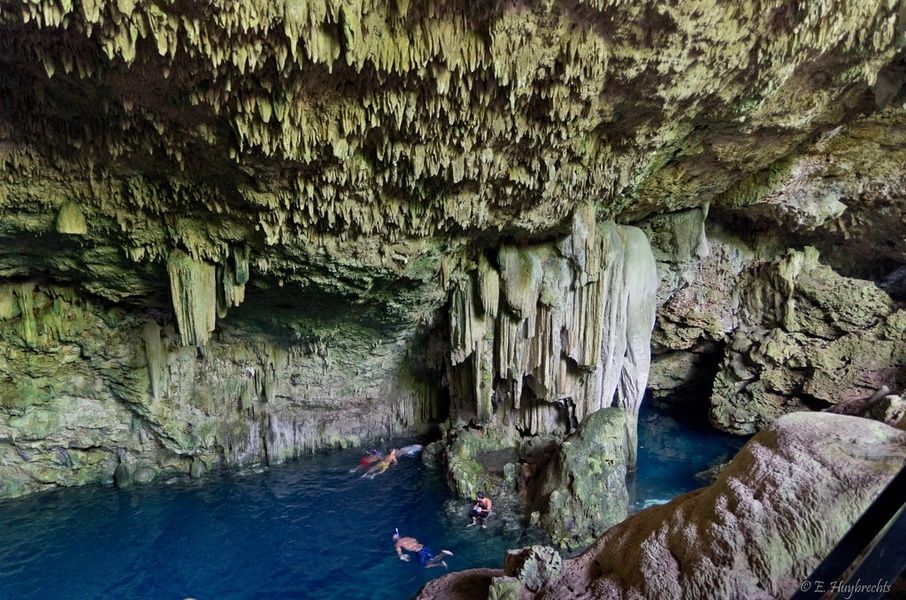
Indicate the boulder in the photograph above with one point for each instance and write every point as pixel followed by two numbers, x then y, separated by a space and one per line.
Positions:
pixel 534 566
pixel 505 588
pixel 775 511
pixel 582 491
pixel 891 410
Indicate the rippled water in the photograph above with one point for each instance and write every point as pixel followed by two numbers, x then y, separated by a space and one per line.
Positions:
pixel 309 529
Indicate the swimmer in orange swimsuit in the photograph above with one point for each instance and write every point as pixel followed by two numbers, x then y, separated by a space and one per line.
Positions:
pixel 382 466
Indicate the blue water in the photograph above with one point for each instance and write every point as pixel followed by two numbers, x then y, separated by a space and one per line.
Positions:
pixel 676 443
pixel 309 529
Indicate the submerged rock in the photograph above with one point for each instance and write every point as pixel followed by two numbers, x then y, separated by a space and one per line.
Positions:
pixel 745 535
pixel 122 477
pixel 144 475
pixel 197 469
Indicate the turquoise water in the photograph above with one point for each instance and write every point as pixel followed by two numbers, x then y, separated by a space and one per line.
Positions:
pixel 309 529
pixel 676 443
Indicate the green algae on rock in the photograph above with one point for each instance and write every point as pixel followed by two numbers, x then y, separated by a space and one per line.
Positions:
pixel 742 536
pixel 243 226
pixel 583 488
pixel 131 396
pixel 809 336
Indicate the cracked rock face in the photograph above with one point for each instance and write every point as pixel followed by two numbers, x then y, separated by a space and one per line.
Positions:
pixel 741 537
pixel 251 228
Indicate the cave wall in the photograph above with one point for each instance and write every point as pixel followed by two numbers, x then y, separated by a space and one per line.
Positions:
pixel 87 386
pixel 760 329
pixel 234 193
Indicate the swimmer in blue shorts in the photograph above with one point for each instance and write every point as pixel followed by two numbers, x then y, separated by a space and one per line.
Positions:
pixel 426 558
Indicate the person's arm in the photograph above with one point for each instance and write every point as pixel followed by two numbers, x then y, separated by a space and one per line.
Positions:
pixel 399 552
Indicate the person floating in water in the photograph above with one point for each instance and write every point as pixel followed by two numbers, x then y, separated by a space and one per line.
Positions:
pixel 426 558
pixel 368 459
pixel 481 510
pixel 382 465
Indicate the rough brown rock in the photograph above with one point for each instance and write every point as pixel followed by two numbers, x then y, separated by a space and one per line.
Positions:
pixel 774 512
pixel 286 187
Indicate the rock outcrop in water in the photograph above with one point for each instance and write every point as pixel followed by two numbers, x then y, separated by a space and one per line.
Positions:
pixel 582 490
pixel 773 514
pixel 249 229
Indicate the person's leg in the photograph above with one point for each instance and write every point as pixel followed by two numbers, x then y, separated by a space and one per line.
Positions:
pixel 425 557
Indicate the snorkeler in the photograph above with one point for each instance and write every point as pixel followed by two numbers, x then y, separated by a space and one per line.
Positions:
pixel 426 558
pixel 381 465
pixel 481 510
pixel 368 459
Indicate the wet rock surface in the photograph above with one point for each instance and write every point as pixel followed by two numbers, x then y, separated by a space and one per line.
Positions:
pixel 254 229
pixel 743 536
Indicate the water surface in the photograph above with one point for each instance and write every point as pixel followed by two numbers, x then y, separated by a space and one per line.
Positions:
pixel 309 529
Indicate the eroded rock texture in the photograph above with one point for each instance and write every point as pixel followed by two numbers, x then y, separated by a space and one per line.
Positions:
pixel 774 331
pixel 325 182
pixel 87 386
pixel 582 491
pixel 554 332
pixel 809 337
pixel 773 514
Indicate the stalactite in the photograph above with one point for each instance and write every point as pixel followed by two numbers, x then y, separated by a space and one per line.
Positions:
pixel 156 356
pixel 28 326
pixel 70 220
pixel 572 329
pixel 193 290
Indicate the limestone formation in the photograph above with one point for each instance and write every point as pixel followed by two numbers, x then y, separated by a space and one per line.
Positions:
pixel 250 229
pixel 128 403
pixel 566 331
pixel 194 295
pixel 70 220
pixel 533 567
pixel 810 338
pixel 745 535
pixel 582 491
